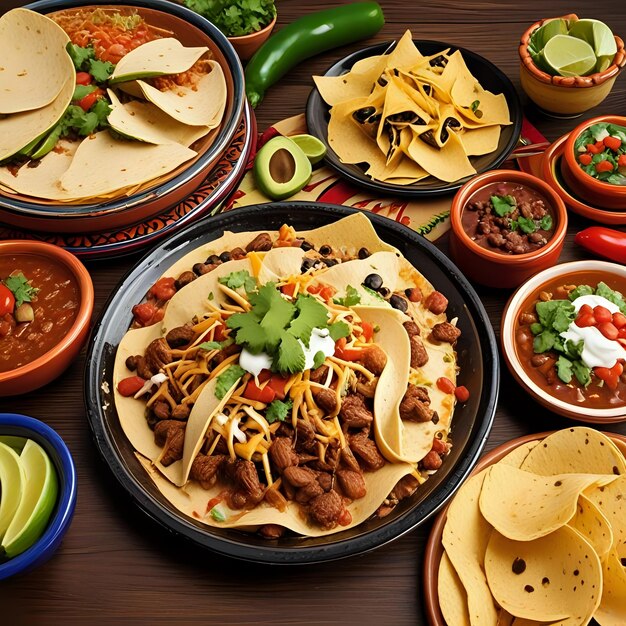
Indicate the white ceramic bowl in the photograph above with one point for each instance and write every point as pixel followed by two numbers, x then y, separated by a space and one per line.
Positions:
pixel 507 340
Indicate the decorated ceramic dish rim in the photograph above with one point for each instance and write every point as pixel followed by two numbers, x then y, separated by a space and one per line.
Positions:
pixel 227 131
pixel 85 309
pixel 478 182
pixel 600 416
pixel 479 412
pixel 317 111
pixel 25 426
pixel 434 548
pixel 549 173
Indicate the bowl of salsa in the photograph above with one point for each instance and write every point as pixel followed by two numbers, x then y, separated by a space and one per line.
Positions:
pixel 564 340
pixel 594 161
pixel 506 226
pixel 46 301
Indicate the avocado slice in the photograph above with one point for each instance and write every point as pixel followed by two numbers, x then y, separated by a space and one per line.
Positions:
pixel 281 168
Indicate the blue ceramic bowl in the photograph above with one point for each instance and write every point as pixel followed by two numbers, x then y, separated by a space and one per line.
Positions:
pixel 49 440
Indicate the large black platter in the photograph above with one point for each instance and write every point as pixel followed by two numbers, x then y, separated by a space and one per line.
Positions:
pixel 471 425
pixel 487 74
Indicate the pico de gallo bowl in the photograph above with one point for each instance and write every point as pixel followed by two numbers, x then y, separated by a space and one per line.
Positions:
pixel 564 339
pixel 594 163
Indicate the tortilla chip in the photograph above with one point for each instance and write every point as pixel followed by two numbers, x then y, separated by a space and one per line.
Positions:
pixel 203 105
pixel 524 506
pixel 611 501
pixel 453 599
pixel 590 522
pixel 449 163
pixel 156 58
pixel 516 457
pixel 543 579
pixel 479 141
pixel 612 609
pixel 35 65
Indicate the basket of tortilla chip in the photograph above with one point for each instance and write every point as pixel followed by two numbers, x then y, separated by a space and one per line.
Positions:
pixel 538 535
pixel 124 117
pixel 419 119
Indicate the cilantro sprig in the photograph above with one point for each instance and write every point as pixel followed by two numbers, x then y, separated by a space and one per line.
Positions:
pixel 351 298
pixel 278 410
pixel 503 205
pixel 22 290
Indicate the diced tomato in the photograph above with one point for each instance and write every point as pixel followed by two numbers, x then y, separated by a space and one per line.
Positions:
pixel 602 314
pixel 144 312
pixel 289 289
pixel 600 145
pixel 83 78
pixel 445 384
pixel 591 147
pixel 604 166
pixel 7 300
pixel 585 309
pixel 90 99
pixel 609 376
pixel 130 386
pixel 608 330
pixel 163 289
pixel 347 354
pixel 220 333
pixel 585 320
pixel 327 293
pixel 621 160
pixel 345 518
pixel 254 392
pixel 368 331
pixel 314 289
pixel 585 158
pixel 277 383
pixel 462 394
pixel 612 143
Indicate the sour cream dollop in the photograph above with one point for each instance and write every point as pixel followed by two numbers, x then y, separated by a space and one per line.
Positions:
pixel 254 363
pixel 598 351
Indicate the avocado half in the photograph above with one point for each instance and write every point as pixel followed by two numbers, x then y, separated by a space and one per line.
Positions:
pixel 281 168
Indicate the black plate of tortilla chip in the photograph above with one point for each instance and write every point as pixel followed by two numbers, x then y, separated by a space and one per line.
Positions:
pixel 487 74
pixel 477 357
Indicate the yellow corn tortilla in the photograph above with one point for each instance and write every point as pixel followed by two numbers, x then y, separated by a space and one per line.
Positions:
pixel 35 66
pixel 453 599
pixel 592 524
pixel 200 106
pixel 156 58
pixel 479 141
pixel 612 609
pixel 611 501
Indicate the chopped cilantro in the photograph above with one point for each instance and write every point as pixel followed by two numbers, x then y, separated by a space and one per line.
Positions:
pixel 318 359
pixel 474 106
pixel 546 222
pixel 101 70
pixel 526 225
pixel 339 330
pixel 544 341
pixel 612 296
pixel 217 514
pixel 313 314
pixel 278 410
pixel 291 357
pixel 582 372
pixel 503 205
pixel 235 17
pixel 536 328
pixel 21 288
pixel 215 345
pixel 236 280
pixel 210 296
pixel 564 369
pixel 373 293
pixel 581 290
pixel 227 379
pixel 80 56
pixel 351 298
pixel 80 91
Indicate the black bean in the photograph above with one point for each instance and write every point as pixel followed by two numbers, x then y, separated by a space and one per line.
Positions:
pixel 373 281
pixel 325 250
pixel 307 264
pixel 360 115
pixel 330 262
pixel 363 253
pixel 225 257
pixel 306 246
pixel 213 260
pixel 198 269
pixel 384 292
pixel 398 302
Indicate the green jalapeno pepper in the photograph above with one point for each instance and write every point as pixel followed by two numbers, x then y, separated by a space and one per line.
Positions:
pixel 306 37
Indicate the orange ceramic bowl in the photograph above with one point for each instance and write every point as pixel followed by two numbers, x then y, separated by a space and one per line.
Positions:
pixel 54 362
pixel 495 269
pixel 587 187
pixel 566 95
pixel 246 45
pixel 551 172
pixel 434 547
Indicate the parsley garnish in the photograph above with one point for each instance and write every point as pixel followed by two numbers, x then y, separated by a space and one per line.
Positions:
pixel 21 288
pixel 278 410
pixel 351 298
pixel 236 280
pixel 85 61
pixel 503 205
pixel 227 379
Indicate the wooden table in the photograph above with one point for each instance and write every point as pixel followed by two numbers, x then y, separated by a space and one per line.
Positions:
pixel 117 567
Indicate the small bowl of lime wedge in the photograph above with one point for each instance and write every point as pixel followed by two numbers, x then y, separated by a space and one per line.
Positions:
pixel 37 493
pixel 569 65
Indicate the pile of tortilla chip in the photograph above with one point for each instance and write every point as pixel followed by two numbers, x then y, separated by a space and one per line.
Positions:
pixel 152 129
pixel 540 537
pixel 409 116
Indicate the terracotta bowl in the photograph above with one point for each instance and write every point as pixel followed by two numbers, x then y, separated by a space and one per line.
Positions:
pixel 551 173
pixel 54 362
pixel 569 96
pixel 587 187
pixel 509 351
pixel 495 269
pixel 246 45
pixel 155 197
pixel 434 547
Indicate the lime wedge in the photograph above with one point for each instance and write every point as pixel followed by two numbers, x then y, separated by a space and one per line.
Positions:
pixel 39 496
pixel 597 34
pixel 314 149
pixel 569 56
pixel 11 481
pixel 548 30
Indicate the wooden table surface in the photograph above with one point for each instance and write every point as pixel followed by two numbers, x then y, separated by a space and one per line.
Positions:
pixel 117 567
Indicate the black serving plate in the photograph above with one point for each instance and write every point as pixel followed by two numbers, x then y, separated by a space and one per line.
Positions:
pixel 478 359
pixel 487 74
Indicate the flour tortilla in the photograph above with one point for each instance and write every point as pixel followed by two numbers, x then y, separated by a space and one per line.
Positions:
pixel 34 65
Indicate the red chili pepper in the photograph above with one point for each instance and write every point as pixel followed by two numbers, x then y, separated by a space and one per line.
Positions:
pixel 621 160
pixel 163 289
pixel 130 386
pixel 585 158
pixel 368 331
pixel 445 384
pixel 605 242
pixel 258 394
pixel 7 300
pixel 612 143
pixel 462 394
pixel 83 78
pixel 604 166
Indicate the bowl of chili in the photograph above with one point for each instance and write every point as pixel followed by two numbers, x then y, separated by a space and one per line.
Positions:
pixel 46 301
pixel 506 226
pixel 564 340
pixel 594 161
